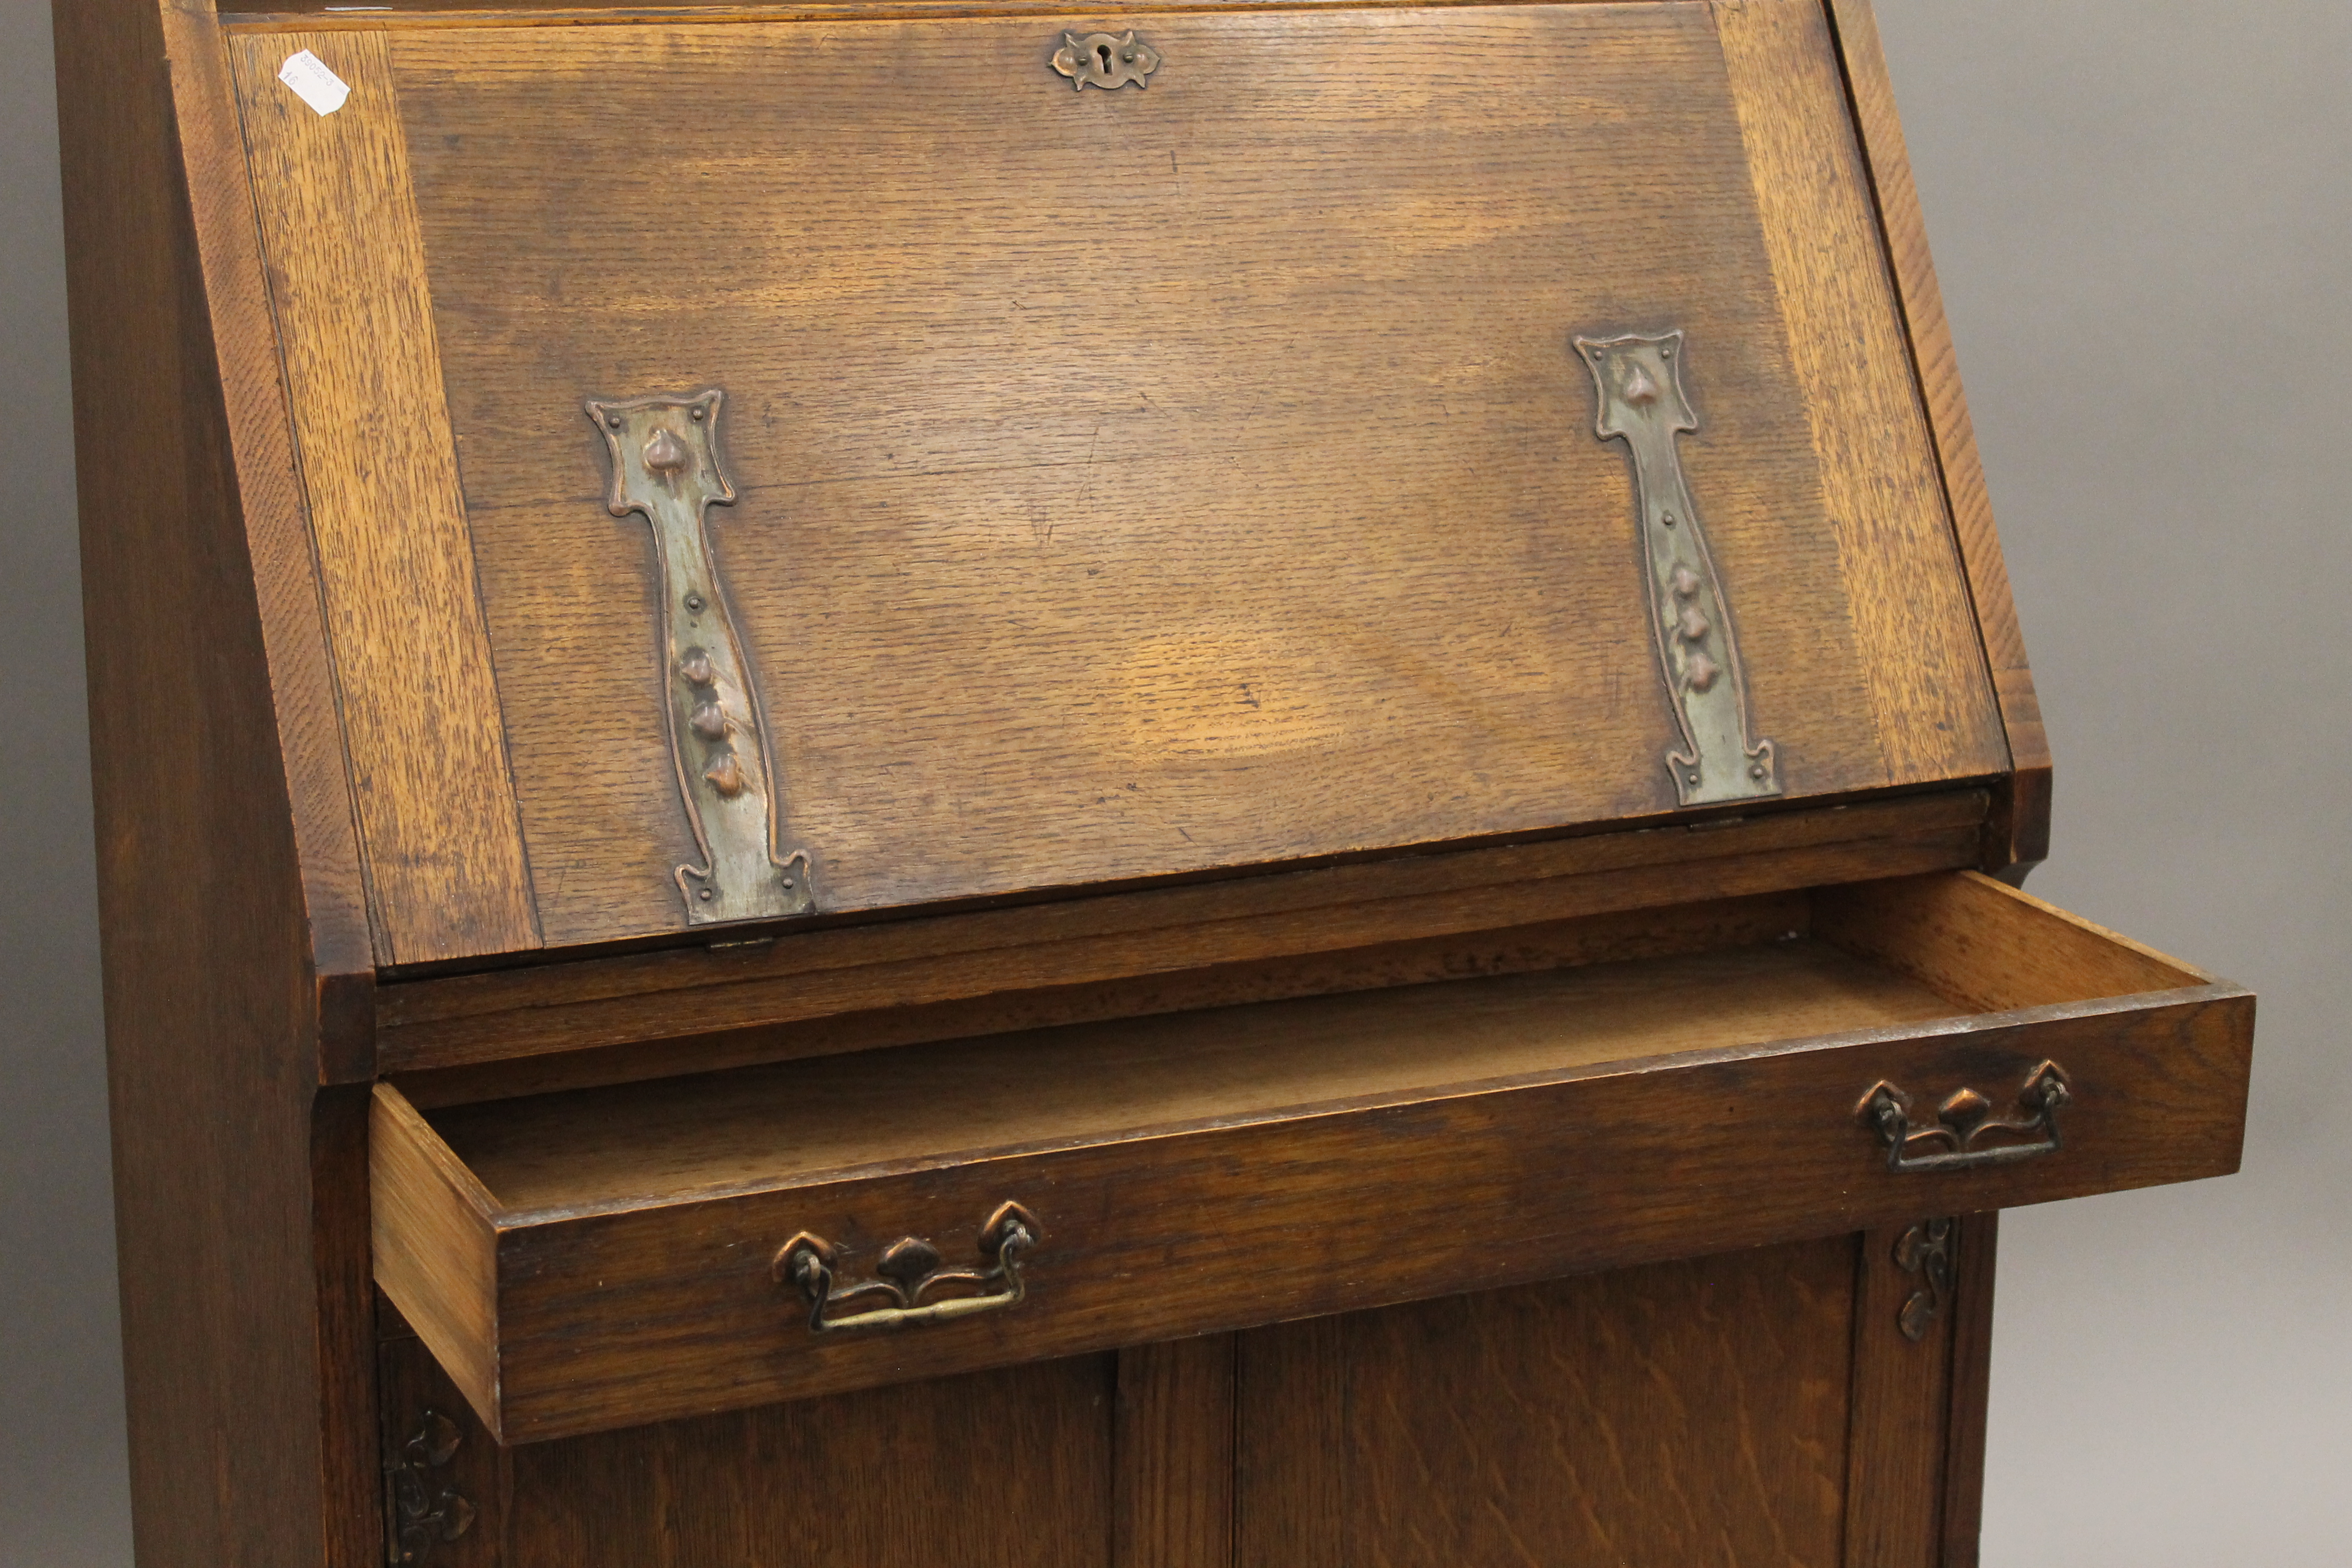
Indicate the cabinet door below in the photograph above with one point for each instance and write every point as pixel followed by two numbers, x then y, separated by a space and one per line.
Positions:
pixel 1759 1408
pixel 998 1470
pixel 1792 1407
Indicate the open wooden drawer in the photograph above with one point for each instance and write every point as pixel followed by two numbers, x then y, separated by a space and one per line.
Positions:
pixel 603 1258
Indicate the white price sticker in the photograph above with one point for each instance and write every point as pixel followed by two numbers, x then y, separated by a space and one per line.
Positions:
pixel 314 83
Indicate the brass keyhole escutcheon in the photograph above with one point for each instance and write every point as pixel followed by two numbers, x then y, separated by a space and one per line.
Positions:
pixel 1105 59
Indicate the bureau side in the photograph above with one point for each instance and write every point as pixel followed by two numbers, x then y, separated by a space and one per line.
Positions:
pixel 237 981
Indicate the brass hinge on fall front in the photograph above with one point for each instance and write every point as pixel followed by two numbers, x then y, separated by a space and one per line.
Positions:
pixel 1642 404
pixel 665 466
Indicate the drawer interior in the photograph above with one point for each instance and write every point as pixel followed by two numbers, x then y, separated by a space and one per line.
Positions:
pixel 1845 958
pixel 960 1100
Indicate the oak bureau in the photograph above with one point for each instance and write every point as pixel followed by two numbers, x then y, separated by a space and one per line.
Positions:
pixel 960 782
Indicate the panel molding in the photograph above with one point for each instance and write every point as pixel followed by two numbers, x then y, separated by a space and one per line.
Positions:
pixel 1172 1455
pixel 1684 1412
pixel 1913 626
pixel 447 875
pixel 2020 838
pixel 320 17
pixel 1291 1448
pixel 1971 1381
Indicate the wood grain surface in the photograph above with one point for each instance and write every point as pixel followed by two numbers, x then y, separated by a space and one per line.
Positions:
pixel 1964 1447
pixel 306 14
pixel 1692 1412
pixel 897 1472
pixel 1763 1403
pixel 1159 933
pixel 860 1479
pixel 1914 631
pixel 434 1241
pixel 232 925
pixel 1175 1487
pixel 1255 515
pixel 1989 945
pixel 1007 1470
pixel 1901 1415
pixel 2022 839
pixel 1514 949
pixel 416 680
pixel 1205 1173
pixel 1291 1445
pixel 411 15
pixel 601 1148
pixel 226 262
pixel 413 1388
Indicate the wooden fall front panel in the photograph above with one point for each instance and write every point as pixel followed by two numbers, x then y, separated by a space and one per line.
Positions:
pixel 1131 483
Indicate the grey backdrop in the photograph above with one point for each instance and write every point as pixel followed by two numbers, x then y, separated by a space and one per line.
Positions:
pixel 2142 210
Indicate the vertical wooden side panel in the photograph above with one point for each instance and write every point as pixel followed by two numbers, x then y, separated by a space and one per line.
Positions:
pixel 1964 1447
pixel 1174 1451
pixel 1913 624
pixel 338 217
pixel 2024 837
pixel 228 894
pixel 1895 1456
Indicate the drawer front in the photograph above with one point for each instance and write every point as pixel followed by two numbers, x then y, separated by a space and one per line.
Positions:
pixel 677 1306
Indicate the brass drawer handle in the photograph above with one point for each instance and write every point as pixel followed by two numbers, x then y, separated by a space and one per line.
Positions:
pixel 1965 1120
pixel 910 1271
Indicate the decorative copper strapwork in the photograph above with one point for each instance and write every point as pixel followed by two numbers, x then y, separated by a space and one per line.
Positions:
pixel 1642 405
pixel 664 454
pixel 1925 1249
